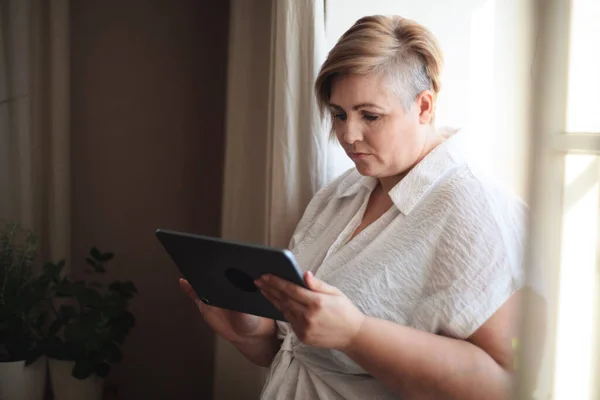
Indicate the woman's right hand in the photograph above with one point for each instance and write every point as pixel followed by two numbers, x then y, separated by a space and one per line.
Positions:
pixel 235 327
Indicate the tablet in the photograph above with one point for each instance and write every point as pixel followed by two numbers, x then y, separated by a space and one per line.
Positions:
pixel 222 272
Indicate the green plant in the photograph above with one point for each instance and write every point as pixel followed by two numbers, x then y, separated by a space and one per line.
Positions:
pixel 93 321
pixel 22 314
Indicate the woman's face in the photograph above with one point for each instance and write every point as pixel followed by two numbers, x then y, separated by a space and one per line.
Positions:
pixel 371 123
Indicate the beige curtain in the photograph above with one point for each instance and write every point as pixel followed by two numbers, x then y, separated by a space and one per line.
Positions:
pixel 277 153
pixel 34 119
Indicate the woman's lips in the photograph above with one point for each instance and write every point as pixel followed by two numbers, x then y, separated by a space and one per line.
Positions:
pixel 357 156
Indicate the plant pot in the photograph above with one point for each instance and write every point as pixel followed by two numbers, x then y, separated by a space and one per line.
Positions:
pixel 20 382
pixel 66 387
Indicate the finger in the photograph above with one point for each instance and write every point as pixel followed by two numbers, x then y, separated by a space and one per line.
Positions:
pixel 265 287
pixel 276 294
pixel 187 289
pixel 272 299
pixel 282 302
pixel 287 288
pixel 285 301
pixel 291 309
pixel 319 286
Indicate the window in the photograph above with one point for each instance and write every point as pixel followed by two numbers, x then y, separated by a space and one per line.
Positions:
pixel 570 148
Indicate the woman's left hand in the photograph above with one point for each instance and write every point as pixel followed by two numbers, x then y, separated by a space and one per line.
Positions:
pixel 322 316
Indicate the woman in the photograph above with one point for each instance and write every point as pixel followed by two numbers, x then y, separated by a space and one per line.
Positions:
pixel 413 261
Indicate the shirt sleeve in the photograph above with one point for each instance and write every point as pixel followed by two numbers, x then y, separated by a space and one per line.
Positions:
pixel 478 262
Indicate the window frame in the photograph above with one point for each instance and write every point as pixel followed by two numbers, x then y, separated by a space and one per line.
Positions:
pixel 550 144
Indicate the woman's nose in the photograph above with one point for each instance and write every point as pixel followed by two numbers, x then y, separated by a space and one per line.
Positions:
pixel 352 133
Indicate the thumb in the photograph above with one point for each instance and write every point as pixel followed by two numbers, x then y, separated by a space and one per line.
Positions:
pixel 317 285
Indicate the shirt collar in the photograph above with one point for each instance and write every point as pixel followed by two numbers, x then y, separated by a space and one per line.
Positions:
pixel 420 180
pixel 428 173
pixel 347 189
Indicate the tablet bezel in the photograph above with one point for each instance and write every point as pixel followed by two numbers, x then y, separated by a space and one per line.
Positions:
pixel 204 260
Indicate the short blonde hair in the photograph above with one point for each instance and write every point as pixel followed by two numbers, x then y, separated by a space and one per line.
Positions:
pixel 405 51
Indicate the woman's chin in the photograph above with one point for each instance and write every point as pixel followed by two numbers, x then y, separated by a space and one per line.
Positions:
pixel 365 169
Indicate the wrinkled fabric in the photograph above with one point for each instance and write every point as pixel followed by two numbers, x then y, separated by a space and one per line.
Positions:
pixel 442 259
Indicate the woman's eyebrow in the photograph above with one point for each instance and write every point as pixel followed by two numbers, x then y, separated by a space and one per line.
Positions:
pixel 363 105
pixel 357 106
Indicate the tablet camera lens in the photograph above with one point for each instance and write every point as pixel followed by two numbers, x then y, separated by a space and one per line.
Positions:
pixel 205 301
pixel 241 280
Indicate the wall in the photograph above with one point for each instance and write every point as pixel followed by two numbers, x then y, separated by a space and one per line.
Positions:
pixel 148 109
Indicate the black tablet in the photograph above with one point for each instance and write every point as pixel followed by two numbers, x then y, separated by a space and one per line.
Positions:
pixel 222 272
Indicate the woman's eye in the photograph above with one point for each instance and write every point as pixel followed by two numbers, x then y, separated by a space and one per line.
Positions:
pixel 339 117
pixel 370 117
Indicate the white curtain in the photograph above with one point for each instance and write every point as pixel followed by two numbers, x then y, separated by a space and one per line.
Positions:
pixel 34 120
pixel 298 144
pixel 277 151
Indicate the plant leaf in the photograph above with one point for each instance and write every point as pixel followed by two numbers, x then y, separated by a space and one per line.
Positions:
pixel 123 323
pixel 79 288
pixel 67 312
pixel 96 254
pixel 76 333
pixel 115 286
pixel 89 297
pixel 55 327
pixel 41 320
pixel 112 353
pixel 36 353
pixel 97 265
pixel 48 268
pixel 77 350
pixel 64 288
pixel 53 271
pixel 55 348
pixel 129 287
pixel 93 263
pixel 107 257
pixel 83 369
pixel 119 336
pixel 102 370
pixel 125 289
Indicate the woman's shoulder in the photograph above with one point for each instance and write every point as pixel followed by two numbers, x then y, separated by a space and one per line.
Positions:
pixel 470 189
pixel 483 212
pixel 470 183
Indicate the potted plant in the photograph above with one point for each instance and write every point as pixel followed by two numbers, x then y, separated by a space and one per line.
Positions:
pixel 22 316
pixel 88 330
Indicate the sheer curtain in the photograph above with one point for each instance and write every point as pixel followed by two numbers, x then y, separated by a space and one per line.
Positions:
pixel 277 151
pixel 34 119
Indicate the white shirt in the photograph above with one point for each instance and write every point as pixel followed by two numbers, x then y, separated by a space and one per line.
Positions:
pixel 442 259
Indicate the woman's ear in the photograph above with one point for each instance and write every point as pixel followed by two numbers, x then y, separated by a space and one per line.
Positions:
pixel 426 107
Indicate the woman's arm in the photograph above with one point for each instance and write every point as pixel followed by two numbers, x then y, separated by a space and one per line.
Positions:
pixel 413 363
pixel 254 337
pixel 423 365
pixel 260 350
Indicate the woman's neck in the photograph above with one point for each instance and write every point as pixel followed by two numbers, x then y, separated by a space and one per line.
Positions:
pixel 433 140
